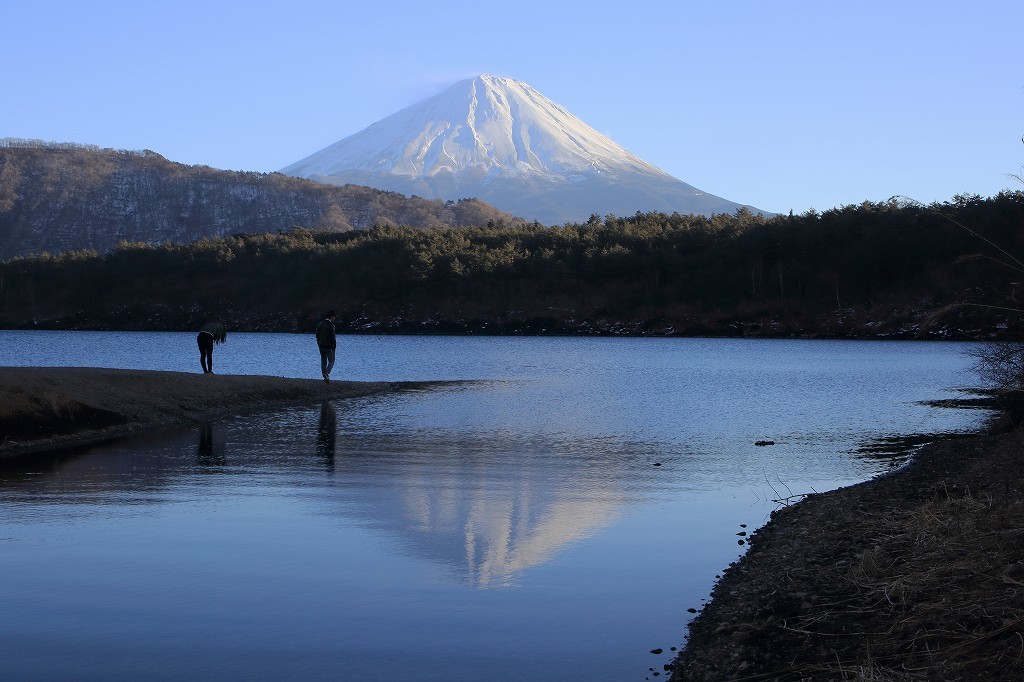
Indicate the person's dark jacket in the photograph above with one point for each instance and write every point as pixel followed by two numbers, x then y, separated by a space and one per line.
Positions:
pixel 216 330
pixel 326 335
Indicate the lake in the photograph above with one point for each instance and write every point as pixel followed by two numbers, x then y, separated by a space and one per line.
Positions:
pixel 551 518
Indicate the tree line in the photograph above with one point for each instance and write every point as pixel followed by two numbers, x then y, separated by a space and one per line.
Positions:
pixel 878 269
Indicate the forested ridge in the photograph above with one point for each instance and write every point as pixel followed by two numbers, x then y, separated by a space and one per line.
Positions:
pixel 58 197
pixel 891 269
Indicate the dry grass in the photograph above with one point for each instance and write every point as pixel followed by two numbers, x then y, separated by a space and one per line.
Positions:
pixel 946 575
pixel 946 579
pixel 914 576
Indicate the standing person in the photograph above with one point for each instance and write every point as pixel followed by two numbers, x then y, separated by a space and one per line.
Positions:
pixel 327 342
pixel 209 333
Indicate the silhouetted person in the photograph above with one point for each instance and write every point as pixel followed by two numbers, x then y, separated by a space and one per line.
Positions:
pixel 209 334
pixel 326 341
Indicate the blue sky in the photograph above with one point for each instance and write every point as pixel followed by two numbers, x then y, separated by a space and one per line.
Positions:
pixel 782 105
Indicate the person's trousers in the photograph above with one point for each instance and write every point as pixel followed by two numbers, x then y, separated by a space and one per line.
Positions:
pixel 205 341
pixel 326 361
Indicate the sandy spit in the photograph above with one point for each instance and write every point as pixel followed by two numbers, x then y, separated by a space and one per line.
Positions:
pixel 49 407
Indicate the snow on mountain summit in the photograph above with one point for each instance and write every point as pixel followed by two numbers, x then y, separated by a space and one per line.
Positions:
pixel 499 140
pixel 489 124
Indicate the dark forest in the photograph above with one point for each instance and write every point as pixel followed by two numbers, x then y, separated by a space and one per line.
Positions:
pixel 892 269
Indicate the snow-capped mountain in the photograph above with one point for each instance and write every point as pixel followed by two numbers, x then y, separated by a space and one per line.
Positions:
pixel 499 140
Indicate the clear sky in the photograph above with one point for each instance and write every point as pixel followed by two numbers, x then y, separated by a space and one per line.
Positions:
pixel 786 105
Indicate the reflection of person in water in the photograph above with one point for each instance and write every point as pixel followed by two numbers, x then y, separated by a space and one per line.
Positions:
pixel 326 431
pixel 206 452
pixel 209 334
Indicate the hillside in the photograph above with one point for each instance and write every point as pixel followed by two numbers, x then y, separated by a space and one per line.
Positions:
pixel 62 197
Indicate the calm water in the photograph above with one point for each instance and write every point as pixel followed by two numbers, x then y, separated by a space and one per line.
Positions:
pixel 512 528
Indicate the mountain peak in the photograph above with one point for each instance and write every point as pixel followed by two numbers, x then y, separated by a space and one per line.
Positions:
pixel 500 140
pixel 485 125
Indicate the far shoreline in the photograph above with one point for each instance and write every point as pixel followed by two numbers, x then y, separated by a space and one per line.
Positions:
pixel 760 330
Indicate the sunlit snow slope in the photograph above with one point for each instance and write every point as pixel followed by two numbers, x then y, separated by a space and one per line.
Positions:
pixel 500 140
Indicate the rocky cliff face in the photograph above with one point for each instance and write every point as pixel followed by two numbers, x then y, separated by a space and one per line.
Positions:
pixel 59 198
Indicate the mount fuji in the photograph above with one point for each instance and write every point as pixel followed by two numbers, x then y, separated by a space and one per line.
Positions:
pixel 501 141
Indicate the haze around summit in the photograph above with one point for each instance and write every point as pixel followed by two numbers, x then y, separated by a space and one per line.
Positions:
pixel 784 107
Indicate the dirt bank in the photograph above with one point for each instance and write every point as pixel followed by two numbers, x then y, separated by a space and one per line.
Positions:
pixel 917 575
pixel 46 407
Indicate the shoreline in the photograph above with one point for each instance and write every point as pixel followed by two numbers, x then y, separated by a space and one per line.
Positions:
pixel 45 408
pixel 915 574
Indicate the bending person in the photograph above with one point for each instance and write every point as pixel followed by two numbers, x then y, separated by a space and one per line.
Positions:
pixel 209 333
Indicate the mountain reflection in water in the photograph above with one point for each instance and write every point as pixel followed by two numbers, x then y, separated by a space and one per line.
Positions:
pixel 492 508
pixel 484 506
